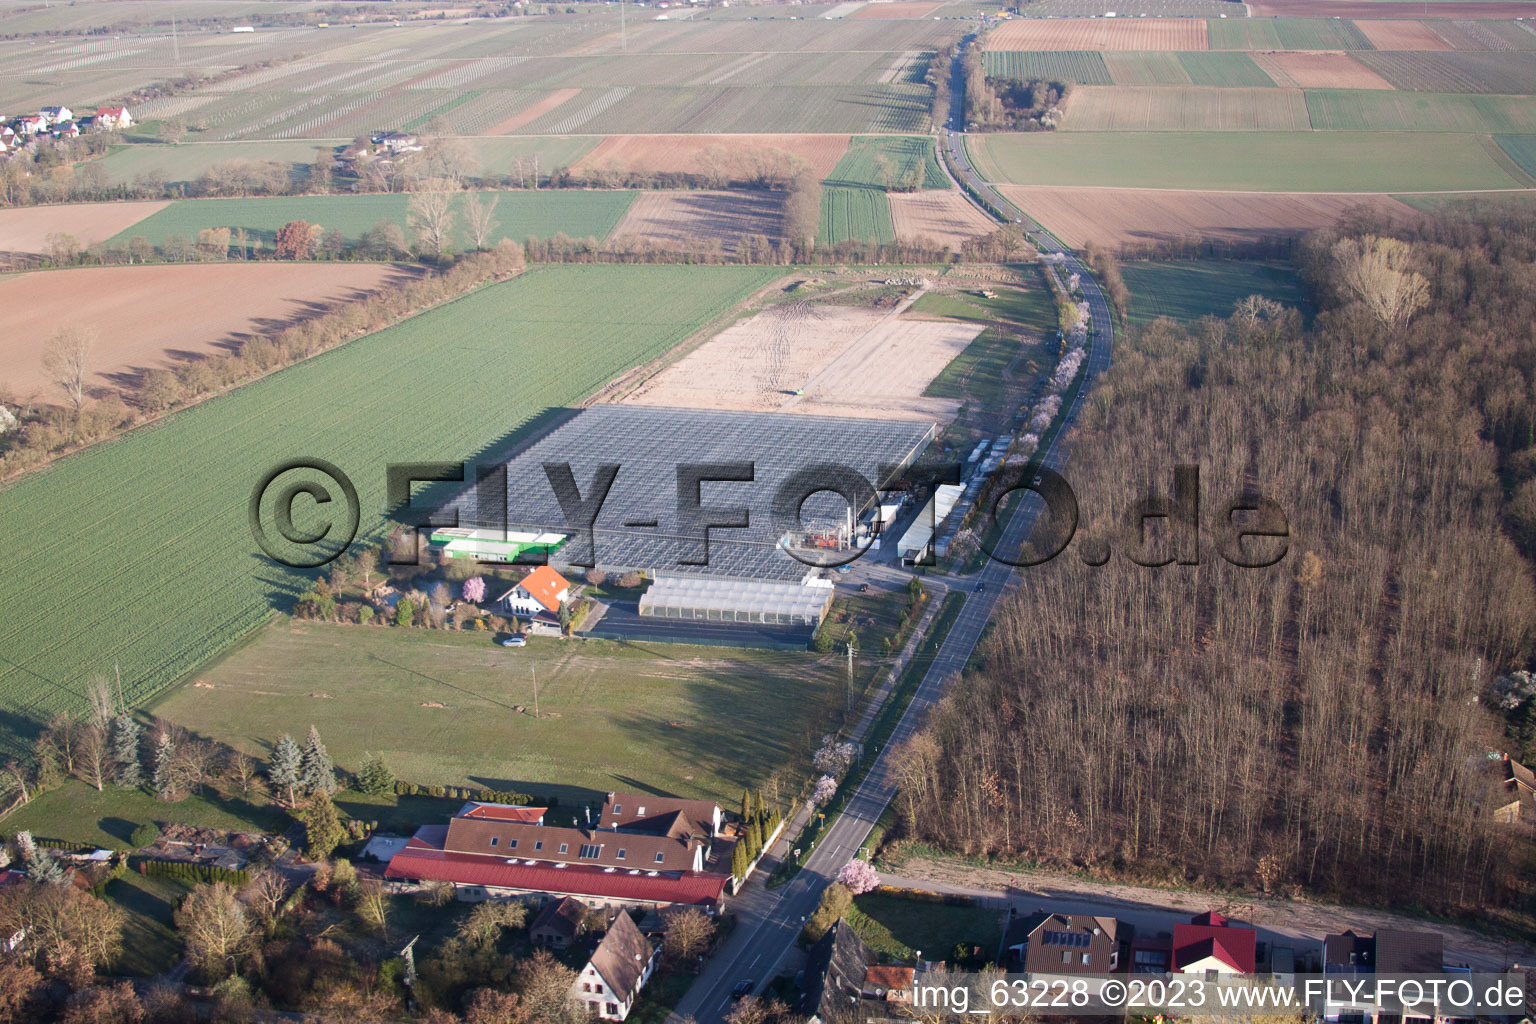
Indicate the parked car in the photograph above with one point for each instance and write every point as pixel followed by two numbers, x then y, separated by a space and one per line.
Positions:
pixel 515 641
pixel 743 989
pixel 980 586
pixel 863 588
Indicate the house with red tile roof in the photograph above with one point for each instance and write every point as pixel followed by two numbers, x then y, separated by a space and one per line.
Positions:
pixel 542 591
pixel 665 815
pixel 1211 943
pixel 113 117
pixel 503 812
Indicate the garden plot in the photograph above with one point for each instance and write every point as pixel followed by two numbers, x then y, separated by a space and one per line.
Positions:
pixel 817 360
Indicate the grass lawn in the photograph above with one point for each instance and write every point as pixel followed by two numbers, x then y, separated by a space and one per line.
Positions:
pixel 518 215
pixel 904 156
pixel 150 943
pixel 1191 289
pixel 77 813
pixel 659 996
pixel 900 927
pixel 455 708
pixel 1261 161
pixel 1022 323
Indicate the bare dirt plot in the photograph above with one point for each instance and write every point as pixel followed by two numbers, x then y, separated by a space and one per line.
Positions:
pixel 896 9
pixel 24 231
pixel 1100 34
pixel 532 112
pixel 1401 35
pixel 147 317
pixel 688 216
pixel 1127 216
pixel 1318 69
pixel 697 154
pixel 943 215
pixel 848 361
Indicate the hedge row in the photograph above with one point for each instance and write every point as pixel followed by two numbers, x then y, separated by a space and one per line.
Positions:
pixel 485 796
pixel 180 869
pixel 948 899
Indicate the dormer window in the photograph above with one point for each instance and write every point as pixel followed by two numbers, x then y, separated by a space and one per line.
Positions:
pixel 621 853
pixel 659 858
pixel 564 847
pixel 539 845
pixel 618 808
pixel 641 810
pixel 494 840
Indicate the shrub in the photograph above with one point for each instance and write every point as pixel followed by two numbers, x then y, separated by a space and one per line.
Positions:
pixel 144 835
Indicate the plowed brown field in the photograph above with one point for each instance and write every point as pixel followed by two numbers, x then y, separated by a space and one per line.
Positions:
pixel 1401 35
pixel 1100 34
pixel 1318 69
pixel 687 216
pixel 24 231
pixel 535 110
pixel 685 154
pixel 943 215
pixel 147 317
pixel 1126 216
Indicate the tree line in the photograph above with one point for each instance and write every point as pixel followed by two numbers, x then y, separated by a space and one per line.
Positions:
pixel 1322 723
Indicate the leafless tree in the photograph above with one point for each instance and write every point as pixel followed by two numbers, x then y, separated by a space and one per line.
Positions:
pixel 480 217
pixel 67 361
pixel 430 214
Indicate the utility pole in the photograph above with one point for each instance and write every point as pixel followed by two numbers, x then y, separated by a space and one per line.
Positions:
pixel 122 708
pixel 535 672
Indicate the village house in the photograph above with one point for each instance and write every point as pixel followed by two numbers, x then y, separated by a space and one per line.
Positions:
pixel 1390 951
pixel 1048 945
pixel 1213 946
pixel 620 966
pixel 110 118
pixel 662 815
pixel 395 143
pixel 31 124
pixel 57 114
pixel 558 923
pixel 541 592
pixel 65 130
pixel 843 981
pixel 496 851
pixel 1519 804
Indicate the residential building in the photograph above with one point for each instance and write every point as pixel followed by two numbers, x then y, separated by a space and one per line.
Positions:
pixel 108 118
pixel 1519 804
pixel 396 143
pixel 620 966
pixel 1213 946
pixel 542 591
pixel 662 815
pixel 57 114
pixel 558 923
pixel 493 851
pixel 890 983
pixel 31 124
pixel 1391 951
pixel 1066 944
pixel 834 975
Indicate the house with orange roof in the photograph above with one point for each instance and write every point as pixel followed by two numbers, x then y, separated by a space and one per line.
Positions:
pixel 541 592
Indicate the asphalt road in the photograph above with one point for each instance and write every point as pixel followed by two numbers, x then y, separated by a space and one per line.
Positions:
pixel 770 921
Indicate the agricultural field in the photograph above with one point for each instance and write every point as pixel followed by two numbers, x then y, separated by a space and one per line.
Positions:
pixel 1133 9
pixel 884 161
pixel 1146 69
pixel 1353 110
pixel 1098 34
pixel 1401 35
pixel 707 154
pixel 1133 219
pixel 896 9
pixel 1243 34
pixel 185 578
pixel 723 217
pixel 188 161
pixel 1521 149
pixel 24 230
pixel 1129 108
pixel 200 309
pixel 1224 69
pixel 1319 71
pixel 943 216
pixel 1455 71
pixel 859 214
pixel 1320 34
pixel 1479 35
pixel 520 214
pixel 1257 161
pixel 1449 202
pixel 1083 66
pixel 823 360
pixel 456 708
pixel 1191 289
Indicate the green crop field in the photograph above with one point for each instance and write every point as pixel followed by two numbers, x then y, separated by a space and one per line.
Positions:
pixel 1128 67
pixel 139 553
pixel 1383 110
pixel 1493 72
pixel 862 164
pixel 1320 34
pixel 1085 67
pixel 1244 34
pixel 1132 108
pixel 520 215
pixel 1522 150
pixel 1190 290
pixel 695 721
pixel 1262 161
pixel 1224 68
pixel 858 213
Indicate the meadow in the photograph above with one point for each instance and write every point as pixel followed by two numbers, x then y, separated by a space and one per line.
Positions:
pixel 1262 161
pixel 457 708
pixel 139 553
pixel 1377 110
pixel 859 214
pixel 862 163
pixel 1192 289
pixel 519 215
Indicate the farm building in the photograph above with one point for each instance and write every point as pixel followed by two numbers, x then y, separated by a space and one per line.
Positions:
pixel 745 469
pixel 495 545
pixel 914 545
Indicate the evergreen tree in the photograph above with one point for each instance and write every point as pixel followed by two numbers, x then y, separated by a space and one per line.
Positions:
pixel 128 772
pixel 317 774
pixel 322 827
pixel 375 778
pixel 757 807
pixel 746 807
pixel 45 868
pixel 283 769
pixel 739 861
pixel 754 838
pixel 165 752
